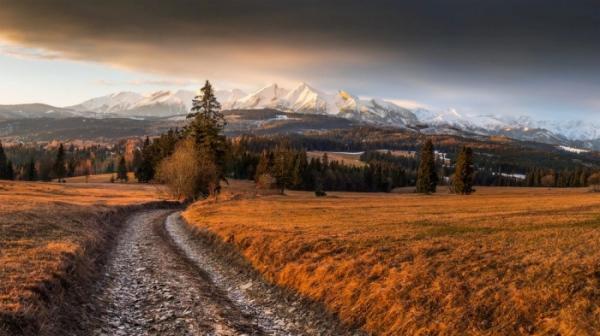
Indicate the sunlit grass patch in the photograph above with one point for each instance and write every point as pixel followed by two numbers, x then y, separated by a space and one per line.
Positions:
pixel 500 261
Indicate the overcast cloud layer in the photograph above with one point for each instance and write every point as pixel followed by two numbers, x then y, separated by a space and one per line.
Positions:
pixel 494 56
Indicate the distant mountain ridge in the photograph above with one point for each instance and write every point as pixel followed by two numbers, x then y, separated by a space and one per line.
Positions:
pixel 305 99
pixel 302 99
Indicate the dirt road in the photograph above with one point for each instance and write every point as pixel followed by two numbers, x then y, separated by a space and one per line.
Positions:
pixel 161 280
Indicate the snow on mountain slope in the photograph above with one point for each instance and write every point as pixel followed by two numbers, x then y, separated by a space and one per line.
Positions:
pixel 131 104
pixel 268 97
pixel 115 102
pixel 573 129
pixel 32 111
pixel 373 110
pixel 178 100
pixel 227 98
pixel 309 100
pixel 451 117
pixel 573 150
pixel 302 99
pixel 305 99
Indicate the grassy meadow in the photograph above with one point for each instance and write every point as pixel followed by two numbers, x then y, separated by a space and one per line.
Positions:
pixel 500 261
pixel 349 159
pixel 44 227
pixel 99 178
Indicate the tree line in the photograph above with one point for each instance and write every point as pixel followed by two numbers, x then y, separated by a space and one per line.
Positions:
pixel 37 163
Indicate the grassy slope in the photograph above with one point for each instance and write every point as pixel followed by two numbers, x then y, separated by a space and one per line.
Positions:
pixel 44 227
pixel 510 261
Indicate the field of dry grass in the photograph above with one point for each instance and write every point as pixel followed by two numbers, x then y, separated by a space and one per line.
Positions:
pixel 349 159
pixel 43 228
pixel 500 261
pixel 98 178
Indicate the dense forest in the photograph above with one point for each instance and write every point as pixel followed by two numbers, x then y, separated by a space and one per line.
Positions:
pixel 38 162
pixel 495 164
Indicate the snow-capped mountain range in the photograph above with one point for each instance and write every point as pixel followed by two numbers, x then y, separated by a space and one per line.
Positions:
pixel 306 99
pixel 526 127
pixel 302 99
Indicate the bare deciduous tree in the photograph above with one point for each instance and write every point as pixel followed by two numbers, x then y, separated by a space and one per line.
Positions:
pixel 188 172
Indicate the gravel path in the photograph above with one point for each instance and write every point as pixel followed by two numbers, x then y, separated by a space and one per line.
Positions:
pixel 160 280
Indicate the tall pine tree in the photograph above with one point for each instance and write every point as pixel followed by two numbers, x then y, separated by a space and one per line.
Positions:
pixel 263 167
pixel 206 128
pixel 122 170
pixel 282 167
pixel 31 173
pixel 3 164
pixel 58 168
pixel 10 172
pixel 463 172
pixel 426 175
pixel 145 171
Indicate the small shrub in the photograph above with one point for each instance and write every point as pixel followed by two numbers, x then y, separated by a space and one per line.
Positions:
pixel 320 193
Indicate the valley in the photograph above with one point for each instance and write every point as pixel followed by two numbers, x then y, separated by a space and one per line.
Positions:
pixel 299 168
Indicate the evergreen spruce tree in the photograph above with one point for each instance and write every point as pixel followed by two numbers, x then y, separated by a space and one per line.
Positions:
pixel 426 175
pixel 71 166
pixel 58 168
pixel 319 192
pixel 206 128
pixel 263 167
pixel 10 172
pixel 463 173
pixel 137 160
pixel 3 163
pixel 144 173
pixel 110 168
pixel 583 179
pixel 31 173
pixel 299 166
pixel 122 170
pixel 281 169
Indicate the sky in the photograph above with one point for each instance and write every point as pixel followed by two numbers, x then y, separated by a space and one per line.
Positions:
pixel 515 57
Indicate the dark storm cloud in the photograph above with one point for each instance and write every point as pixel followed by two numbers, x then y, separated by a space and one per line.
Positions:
pixel 506 30
pixel 441 45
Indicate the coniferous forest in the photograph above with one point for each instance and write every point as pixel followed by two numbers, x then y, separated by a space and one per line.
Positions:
pixel 287 161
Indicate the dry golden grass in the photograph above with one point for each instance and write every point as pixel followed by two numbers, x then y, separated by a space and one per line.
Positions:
pixel 349 159
pixel 44 226
pixel 500 261
pixel 99 178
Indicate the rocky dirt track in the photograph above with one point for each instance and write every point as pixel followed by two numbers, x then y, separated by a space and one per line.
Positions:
pixel 160 280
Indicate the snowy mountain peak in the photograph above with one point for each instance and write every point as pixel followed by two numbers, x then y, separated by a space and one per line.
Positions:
pixel 307 99
pixel 268 97
pixel 304 98
pixel 110 103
